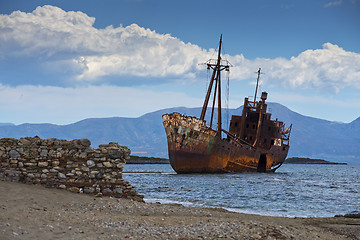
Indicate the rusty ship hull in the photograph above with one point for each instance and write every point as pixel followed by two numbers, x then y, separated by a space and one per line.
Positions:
pixel 253 142
pixel 195 148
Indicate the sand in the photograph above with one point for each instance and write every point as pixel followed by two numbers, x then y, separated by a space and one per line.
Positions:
pixel 36 212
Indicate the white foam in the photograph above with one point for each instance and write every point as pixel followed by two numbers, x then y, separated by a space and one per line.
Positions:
pixel 168 201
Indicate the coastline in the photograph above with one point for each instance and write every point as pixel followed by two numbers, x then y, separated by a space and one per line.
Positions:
pixel 146 160
pixel 36 212
pixel 300 160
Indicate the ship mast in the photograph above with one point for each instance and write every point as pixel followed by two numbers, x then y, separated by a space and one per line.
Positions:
pixel 217 68
pixel 257 84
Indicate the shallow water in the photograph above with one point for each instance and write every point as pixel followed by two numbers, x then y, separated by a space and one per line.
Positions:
pixel 295 190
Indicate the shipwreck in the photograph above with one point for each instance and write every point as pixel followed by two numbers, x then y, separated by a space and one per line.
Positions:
pixel 253 142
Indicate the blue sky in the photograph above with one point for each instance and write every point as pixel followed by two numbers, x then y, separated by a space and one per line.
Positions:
pixel 63 61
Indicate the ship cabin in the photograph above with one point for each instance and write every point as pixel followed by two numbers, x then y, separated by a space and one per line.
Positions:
pixel 255 126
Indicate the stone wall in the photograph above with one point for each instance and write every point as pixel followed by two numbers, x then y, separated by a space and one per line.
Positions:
pixel 72 165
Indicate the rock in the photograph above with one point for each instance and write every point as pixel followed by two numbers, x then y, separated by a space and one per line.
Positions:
pixel 85 142
pixel 119 190
pixel 43 164
pixel 89 190
pixel 14 154
pixel 99 176
pixel 44 153
pixel 114 153
pixel 107 191
pixel 25 141
pixel 20 150
pixel 107 164
pixel 120 165
pixel 90 163
pixel 61 175
pixel 55 163
pixel 28 164
pixel 74 189
pixel 84 169
pixel 89 150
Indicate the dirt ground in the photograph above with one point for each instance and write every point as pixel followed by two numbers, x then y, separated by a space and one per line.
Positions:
pixel 36 212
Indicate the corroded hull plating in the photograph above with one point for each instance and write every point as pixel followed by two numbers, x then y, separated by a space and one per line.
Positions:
pixel 195 148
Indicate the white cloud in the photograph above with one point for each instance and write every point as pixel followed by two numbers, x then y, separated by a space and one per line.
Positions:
pixel 329 67
pixel 68 40
pixel 132 50
pixel 333 3
pixel 47 30
pixel 66 105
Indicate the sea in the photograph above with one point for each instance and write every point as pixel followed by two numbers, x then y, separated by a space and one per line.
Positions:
pixel 294 190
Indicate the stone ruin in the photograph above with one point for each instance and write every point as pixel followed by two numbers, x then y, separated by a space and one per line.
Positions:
pixel 72 165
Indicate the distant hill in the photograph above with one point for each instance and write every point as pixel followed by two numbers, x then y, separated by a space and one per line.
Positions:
pixel 146 160
pixel 7 124
pixel 145 135
pixel 296 160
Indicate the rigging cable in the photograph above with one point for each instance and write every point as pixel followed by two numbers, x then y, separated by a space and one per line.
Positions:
pixel 208 71
pixel 227 99
pixel 207 79
pixel 227 89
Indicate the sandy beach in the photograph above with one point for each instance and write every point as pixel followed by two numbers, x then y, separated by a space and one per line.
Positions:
pixel 36 212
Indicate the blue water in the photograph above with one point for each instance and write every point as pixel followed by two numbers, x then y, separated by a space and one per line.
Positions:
pixel 295 190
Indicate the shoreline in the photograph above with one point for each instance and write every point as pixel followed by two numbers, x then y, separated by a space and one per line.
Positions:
pixel 36 212
pixel 301 160
pixel 233 210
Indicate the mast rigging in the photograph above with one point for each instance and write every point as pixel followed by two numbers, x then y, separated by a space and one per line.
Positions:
pixel 217 67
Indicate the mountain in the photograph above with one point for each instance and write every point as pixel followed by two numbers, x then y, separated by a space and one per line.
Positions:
pixel 7 124
pixel 145 135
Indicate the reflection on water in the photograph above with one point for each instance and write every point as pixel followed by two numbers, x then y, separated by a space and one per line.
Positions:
pixel 294 190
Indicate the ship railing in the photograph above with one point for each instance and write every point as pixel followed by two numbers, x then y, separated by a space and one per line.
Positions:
pixel 223 63
pixel 236 139
pixel 252 105
pixel 251 99
pixel 285 134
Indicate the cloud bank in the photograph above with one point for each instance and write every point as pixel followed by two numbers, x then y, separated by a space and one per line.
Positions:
pixel 69 40
pixel 330 67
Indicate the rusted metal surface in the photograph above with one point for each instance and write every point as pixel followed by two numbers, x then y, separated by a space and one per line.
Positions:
pixel 195 148
pixel 254 142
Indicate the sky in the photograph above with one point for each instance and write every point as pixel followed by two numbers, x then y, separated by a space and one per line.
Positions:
pixel 62 61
